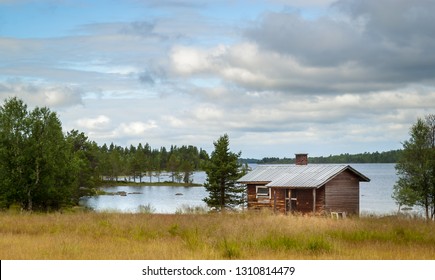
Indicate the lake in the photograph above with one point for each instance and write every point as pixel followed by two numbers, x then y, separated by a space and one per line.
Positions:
pixel 375 196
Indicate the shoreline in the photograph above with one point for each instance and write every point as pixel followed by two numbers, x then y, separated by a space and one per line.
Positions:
pixel 144 184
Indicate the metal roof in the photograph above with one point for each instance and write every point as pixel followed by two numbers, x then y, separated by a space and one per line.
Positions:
pixel 297 176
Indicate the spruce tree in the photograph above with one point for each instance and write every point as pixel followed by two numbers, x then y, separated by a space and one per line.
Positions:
pixel 223 171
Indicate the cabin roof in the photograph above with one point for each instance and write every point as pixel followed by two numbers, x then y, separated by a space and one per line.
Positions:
pixel 297 176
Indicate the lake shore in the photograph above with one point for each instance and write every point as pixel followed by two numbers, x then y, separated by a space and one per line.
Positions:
pixel 108 184
pixel 91 235
pixel 142 184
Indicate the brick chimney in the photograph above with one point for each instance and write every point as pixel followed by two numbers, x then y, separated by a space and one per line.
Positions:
pixel 301 159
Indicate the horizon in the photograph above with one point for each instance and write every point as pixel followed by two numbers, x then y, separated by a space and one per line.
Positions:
pixel 247 158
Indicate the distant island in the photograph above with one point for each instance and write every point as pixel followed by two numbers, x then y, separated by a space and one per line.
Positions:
pixel 375 157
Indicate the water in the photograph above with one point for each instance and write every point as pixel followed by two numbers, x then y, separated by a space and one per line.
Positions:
pixel 162 199
pixel 375 196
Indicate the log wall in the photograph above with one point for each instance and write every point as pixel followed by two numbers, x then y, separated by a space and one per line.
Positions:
pixel 342 194
pixel 254 202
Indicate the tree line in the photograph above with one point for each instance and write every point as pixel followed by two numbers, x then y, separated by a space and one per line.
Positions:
pixel 42 168
pixel 375 157
pixel 136 161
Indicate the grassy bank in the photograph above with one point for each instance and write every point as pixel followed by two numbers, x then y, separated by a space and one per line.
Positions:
pixel 211 236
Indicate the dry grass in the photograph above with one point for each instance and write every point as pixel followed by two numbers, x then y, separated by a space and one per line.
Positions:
pixel 211 236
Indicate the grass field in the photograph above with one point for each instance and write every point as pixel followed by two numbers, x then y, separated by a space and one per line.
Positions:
pixel 211 236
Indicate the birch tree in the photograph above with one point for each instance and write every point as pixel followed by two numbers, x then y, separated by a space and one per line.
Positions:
pixel 416 168
pixel 34 158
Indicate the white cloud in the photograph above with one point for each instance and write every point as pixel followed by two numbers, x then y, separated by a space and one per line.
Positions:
pixel 191 60
pixel 101 122
pixel 134 128
pixel 38 93
pixel 208 113
pixel 173 121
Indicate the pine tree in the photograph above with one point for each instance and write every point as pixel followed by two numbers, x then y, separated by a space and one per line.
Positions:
pixel 223 171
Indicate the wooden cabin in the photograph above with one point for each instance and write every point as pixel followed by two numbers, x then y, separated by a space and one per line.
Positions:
pixel 304 188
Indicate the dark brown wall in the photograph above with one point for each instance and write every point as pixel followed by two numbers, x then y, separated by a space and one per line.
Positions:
pixel 275 202
pixel 278 199
pixel 320 199
pixel 342 193
pixel 304 202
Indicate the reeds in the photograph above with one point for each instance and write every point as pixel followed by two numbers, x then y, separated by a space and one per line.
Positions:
pixel 212 236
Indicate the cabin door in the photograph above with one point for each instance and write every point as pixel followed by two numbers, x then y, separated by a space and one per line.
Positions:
pixel 292 200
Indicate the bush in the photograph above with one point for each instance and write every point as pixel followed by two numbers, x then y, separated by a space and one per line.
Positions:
pixel 146 209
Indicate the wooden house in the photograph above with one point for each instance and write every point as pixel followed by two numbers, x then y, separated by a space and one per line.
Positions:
pixel 304 188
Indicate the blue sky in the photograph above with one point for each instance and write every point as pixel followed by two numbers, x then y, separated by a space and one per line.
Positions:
pixel 279 77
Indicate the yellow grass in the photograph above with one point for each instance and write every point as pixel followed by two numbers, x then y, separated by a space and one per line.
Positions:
pixel 211 236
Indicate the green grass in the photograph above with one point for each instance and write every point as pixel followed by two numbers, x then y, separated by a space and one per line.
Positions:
pixel 212 236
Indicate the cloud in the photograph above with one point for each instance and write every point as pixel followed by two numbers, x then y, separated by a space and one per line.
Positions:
pixel 134 128
pixel 41 94
pixel 101 122
pixel 247 66
pixel 191 60
pixel 357 48
pixel 147 78
pixel 388 43
pixel 120 130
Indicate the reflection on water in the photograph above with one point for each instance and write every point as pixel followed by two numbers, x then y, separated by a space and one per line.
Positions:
pixel 163 199
pixel 375 196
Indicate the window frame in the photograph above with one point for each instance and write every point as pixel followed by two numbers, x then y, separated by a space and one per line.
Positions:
pixel 260 194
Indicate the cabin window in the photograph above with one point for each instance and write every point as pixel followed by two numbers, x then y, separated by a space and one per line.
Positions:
pixel 263 192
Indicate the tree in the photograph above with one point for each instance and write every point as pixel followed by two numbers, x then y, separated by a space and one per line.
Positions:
pixel 223 171
pixel 14 132
pixel 84 164
pixel 416 168
pixel 34 158
pixel 174 166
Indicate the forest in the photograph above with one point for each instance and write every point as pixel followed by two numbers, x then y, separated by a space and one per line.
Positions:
pixel 375 157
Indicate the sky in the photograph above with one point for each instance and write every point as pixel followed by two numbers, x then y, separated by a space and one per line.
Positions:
pixel 279 77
